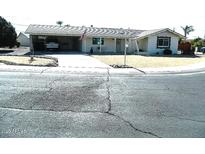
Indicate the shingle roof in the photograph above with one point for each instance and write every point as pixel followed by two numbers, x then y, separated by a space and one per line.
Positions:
pixel 91 31
pixel 149 32
pixel 154 31
pixel 22 33
pixel 79 30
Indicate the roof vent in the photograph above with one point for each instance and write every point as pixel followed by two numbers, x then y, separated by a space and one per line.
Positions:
pixel 121 31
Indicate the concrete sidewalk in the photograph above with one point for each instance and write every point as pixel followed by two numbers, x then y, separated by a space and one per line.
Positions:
pixel 178 69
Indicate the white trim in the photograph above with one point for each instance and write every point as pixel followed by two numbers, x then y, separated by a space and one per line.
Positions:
pixel 163 38
pixel 163 46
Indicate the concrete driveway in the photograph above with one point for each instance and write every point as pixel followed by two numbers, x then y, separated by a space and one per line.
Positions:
pixel 79 61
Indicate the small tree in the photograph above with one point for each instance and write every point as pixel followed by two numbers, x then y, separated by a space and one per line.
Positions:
pixel 7 34
pixel 187 29
pixel 197 43
pixel 59 23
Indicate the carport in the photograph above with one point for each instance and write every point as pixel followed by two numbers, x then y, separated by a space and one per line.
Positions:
pixel 63 43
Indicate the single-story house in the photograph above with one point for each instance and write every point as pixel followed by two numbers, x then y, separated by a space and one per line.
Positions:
pixel 23 39
pixel 102 40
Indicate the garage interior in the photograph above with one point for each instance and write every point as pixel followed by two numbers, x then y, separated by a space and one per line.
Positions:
pixel 65 43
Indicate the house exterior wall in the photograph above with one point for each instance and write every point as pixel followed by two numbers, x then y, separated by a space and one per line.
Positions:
pixel 83 46
pixel 23 40
pixel 120 46
pixel 152 43
pixel 108 46
pixel 132 46
pixel 143 44
pixel 31 43
pixel 113 45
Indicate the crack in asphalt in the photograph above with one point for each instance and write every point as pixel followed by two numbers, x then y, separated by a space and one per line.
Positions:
pixel 140 70
pixel 108 112
pixel 131 125
pixel 181 118
pixel 112 114
pixel 108 91
pixel 50 86
pixel 45 70
pixel 50 110
pixel 4 115
pixel 18 113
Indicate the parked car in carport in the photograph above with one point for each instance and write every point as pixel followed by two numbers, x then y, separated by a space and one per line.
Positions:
pixel 202 50
pixel 52 45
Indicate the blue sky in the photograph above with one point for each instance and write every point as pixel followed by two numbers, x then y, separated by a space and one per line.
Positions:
pixel 144 14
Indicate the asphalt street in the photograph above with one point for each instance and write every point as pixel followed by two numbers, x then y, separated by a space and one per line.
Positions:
pixel 101 105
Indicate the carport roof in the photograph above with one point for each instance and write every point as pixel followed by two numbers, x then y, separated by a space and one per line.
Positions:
pixel 68 30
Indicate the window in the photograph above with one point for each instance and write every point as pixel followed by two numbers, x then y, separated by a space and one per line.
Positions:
pixel 96 41
pixel 163 42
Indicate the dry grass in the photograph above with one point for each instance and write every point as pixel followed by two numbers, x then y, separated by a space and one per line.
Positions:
pixel 24 60
pixel 149 61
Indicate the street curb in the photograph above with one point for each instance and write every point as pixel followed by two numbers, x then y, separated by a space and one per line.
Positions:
pixel 113 71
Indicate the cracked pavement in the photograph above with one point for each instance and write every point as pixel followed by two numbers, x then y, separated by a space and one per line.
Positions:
pixel 101 105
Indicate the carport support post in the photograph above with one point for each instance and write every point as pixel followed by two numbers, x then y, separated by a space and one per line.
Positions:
pixel 137 46
pixel 100 44
pixel 125 53
pixel 31 45
pixel 115 45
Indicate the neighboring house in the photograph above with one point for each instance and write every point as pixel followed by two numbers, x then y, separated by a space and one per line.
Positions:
pixel 23 39
pixel 113 40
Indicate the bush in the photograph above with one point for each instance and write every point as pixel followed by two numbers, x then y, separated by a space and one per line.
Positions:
pixel 167 52
pixel 185 47
pixel 18 44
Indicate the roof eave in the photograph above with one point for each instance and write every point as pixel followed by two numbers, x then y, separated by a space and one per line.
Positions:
pixel 178 34
pixel 160 31
pixel 54 34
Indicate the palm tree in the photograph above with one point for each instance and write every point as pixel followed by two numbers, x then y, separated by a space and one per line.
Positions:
pixel 187 29
pixel 59 23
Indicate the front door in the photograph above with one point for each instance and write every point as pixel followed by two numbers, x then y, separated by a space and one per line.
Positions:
pixel 120 45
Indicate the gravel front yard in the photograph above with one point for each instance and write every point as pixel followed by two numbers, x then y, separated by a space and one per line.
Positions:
pixel 25 60
pixel 149 61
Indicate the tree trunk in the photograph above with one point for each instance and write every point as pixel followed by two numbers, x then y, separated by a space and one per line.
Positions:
pixel 185 34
